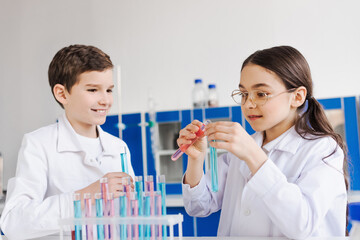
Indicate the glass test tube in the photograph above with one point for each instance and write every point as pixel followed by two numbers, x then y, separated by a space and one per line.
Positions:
pixel 77 214
pixel 214 169
pixel 111 211
pixel 99 214
pixel 139 188
pixel 87 207
pixel 104 191
pixel 123 213
pixel 161 186
pixel 147 211
pixel 158 212
pixel 134 212
pixel 124 163
pixel 184 147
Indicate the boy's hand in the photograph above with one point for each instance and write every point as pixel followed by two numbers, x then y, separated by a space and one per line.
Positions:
pixel 114 185
pixel 198 149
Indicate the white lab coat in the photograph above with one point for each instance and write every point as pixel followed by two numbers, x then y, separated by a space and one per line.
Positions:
pixel 51 166
pixel 294 193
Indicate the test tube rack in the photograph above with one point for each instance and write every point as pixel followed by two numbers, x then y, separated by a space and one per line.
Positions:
pixel 168 220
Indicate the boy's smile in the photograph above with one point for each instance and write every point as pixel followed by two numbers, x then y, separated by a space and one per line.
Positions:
pixel 89 101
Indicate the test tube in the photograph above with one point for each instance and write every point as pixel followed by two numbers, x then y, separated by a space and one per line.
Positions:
pixel 99 214
pixel 147 212
pixel 214 169
pixel 87 207
pixel 139 186
pixel 104 191
pixel 124 163
pixel 77 214
pixel 149 184
pixel 184 147
pixel 134 212
pixel 111 211
pixel 158 212
pixel 139 189
pixel 123 213
pixel 161 186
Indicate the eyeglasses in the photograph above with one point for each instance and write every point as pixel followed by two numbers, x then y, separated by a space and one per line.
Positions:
pixel 257 97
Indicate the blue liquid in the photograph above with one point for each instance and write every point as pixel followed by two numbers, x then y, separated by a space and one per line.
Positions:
pixel 147 214
pixel 77 214
pixel 124 163
pixel 123 214
pixel 100 213
pixel 139 186
pixel 162 188
pixel 214 169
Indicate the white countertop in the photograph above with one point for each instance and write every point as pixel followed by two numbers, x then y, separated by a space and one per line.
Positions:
pixel 215 238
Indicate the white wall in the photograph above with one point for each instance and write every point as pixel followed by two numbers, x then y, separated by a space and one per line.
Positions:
pixel 164 45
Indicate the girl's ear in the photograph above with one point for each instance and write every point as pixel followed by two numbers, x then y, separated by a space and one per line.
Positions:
pixel 299 97
pixel 59 93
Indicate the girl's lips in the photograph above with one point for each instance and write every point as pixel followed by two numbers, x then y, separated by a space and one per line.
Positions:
pixel 254 117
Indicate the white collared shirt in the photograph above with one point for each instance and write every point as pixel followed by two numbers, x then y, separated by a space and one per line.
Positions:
pixel 294 194
pixel 51 166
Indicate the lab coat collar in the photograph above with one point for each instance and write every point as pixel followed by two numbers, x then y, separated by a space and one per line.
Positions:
pixel 69 142
pixel 289 141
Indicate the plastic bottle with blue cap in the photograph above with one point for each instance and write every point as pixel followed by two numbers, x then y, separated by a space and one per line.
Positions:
pixel 213 97
pixel 199 96
pixel 354 217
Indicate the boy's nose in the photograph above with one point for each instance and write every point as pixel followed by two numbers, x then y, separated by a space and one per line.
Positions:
pixel 105 99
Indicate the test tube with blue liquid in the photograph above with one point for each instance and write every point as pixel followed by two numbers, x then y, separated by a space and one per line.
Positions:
pixel 161 186
pixel 124 162
pixel 77 214
pixel 123 213
pixel 99 214
pixel 139 189
pixel 214 169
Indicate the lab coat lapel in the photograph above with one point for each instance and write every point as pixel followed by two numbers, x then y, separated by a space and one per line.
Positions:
pixel 67 139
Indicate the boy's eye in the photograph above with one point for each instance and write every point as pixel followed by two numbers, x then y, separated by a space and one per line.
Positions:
pixel 243 94
pixel 109 90
pixel 92 90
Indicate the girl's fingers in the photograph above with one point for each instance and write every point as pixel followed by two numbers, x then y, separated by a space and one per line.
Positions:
pixel 220 136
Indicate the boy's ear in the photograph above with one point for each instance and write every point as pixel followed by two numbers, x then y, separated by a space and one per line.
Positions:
pixel 59 93
pixel 299 96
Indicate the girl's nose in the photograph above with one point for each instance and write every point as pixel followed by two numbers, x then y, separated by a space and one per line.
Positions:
pixel 250 103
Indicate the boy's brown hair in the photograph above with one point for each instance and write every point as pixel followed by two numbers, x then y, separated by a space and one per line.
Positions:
pixel 71 61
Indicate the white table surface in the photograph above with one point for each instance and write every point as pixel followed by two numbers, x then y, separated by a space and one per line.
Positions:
pixel 214 238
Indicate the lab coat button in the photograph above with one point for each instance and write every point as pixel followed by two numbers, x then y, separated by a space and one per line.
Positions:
pixel 247 212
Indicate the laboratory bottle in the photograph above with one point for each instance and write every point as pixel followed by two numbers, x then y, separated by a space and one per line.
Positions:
pixel 199 94
pixel 213 98
pixel 354 216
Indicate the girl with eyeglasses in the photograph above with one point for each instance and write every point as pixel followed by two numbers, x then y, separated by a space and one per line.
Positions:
pixel 289 179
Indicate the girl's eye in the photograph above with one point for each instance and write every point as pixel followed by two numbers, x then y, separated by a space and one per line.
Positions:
pixel 261 94
pixel 91 90
pixel 109 90
pixel 243 94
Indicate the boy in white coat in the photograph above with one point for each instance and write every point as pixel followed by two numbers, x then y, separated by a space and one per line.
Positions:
pixel 69 156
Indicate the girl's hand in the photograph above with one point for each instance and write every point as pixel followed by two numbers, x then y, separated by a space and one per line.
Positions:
pixel 115 185
pixel 196 151
pixel 232 137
